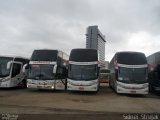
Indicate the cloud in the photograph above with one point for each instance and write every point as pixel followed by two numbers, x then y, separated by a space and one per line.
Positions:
pixel 143 41
pixel 34 24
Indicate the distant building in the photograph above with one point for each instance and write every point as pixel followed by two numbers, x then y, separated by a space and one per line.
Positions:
pixel 106 64
pixel 96 40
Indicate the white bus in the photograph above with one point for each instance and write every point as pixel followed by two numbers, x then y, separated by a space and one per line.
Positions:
pixel 47 70
pixel 104 75
pixel 11 74
pixel 154 72
pixel 129 73
pixel 83 70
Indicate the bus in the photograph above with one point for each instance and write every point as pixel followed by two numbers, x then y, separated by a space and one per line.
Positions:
pixel 154 72
pixel 83 70
pixel 104 75
pixel 47 70
pixel 129 71
pixel 11 74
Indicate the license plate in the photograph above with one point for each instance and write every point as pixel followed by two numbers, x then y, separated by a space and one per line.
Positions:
pixel 81 88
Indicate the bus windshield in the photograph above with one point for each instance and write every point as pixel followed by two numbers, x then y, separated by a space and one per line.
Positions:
pixel 132 75
pixel 41 72
pixel 83 72
pixel 4 72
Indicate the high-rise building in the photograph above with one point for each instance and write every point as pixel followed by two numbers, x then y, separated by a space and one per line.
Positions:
pixel 96 40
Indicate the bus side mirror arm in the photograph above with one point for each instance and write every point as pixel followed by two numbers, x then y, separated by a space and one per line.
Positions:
pixel 98 71
pixel 55 68
pixel 24 68
pixel 9 65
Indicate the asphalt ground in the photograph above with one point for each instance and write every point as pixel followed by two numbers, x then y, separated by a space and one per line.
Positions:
pixel 31 104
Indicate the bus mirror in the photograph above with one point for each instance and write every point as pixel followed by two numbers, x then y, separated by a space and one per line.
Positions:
pixel 55 68
pixel 65 63
pixel 9 65
pixel 24 68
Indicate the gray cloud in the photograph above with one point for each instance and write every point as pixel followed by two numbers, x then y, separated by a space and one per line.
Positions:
pixel 59 24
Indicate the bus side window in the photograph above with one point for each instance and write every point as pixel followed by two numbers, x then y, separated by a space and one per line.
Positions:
pixel 98 70
pixel 158 74
pixel 70 67
pixel 116 73
pixel 16 69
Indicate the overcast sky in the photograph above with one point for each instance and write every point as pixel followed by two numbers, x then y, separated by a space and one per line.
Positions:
pixel 25 25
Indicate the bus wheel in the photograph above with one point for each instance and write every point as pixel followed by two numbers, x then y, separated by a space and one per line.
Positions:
pixel 116 90
pixel 97 88
pixel 65 84
pixel 24 84
pixel 151 89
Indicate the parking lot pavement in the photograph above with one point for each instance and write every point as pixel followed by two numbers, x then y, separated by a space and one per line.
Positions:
pixel 105 103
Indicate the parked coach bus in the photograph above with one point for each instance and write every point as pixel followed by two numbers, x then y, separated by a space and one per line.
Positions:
pixel 129 73
pixel 11 74
pixel 104 75
pixel 154 72
pixel 47 70
pixel 83 70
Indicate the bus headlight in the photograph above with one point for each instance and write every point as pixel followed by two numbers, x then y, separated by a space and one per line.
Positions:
pixel 5 79
pixel 52 87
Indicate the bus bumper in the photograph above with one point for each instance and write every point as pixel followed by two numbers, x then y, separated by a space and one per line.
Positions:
pixel 40 86
pixel 132 91
pixel 133 88
pixel 77 86
pixel 6 83
pixel 104 81
pixel 46 84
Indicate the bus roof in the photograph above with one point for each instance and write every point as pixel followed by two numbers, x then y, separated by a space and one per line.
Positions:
pixel 83 55
pixel 131 58
pixel 8 56
pixel 154 58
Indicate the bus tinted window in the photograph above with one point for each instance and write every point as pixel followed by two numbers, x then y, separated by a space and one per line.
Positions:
pixel 157 58
pixel 83 55
pixel 131 58
pixel 44 55
pixel 3 66
pixel 83 72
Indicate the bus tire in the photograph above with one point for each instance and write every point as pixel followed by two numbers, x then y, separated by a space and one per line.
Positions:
pixel 115 89
pixel 24 83
pixel 110 84
pixel 98 87
pixel 151 89
pixel 65 85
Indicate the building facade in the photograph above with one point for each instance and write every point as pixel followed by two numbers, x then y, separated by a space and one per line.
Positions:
pixel 96 40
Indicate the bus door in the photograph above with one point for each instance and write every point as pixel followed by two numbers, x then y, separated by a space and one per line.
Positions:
pixel 16 76
pixel 61 76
